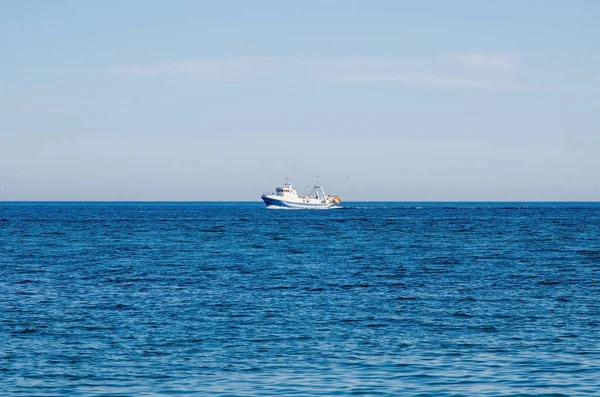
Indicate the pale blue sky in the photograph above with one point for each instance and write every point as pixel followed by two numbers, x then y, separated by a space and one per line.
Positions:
pixel 192 100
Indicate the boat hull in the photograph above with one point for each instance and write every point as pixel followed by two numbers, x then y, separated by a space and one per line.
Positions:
pixel 274 201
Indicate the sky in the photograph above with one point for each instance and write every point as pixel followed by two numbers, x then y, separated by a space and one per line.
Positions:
pixel 223 100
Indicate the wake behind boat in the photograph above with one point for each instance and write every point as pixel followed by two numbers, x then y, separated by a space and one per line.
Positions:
pixel 287 197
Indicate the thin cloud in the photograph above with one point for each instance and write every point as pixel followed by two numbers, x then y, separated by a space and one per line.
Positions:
pixel 349 70
pixel 441 81
pixel 492 61
pixel 210 69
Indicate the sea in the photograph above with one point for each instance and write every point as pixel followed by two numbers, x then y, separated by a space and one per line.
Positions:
pixel 234 299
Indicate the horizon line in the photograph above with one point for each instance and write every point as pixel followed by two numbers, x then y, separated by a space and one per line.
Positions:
pixel 260 202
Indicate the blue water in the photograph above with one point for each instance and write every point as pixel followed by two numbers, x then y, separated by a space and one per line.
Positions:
pixel 434 299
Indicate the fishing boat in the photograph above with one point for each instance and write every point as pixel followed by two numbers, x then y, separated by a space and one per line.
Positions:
pixel 287 197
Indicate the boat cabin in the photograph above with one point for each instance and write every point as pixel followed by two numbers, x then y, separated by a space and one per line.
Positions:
pixel 286 191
